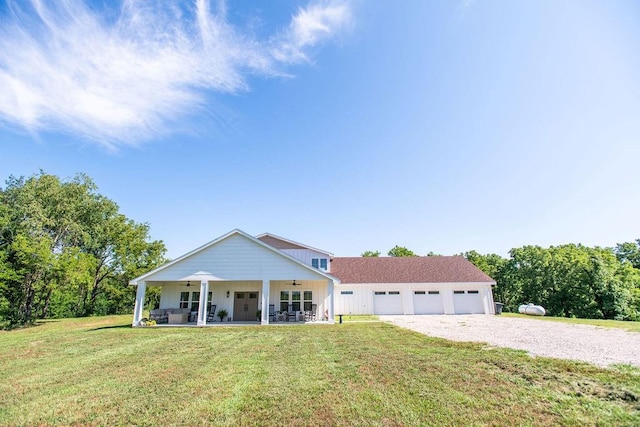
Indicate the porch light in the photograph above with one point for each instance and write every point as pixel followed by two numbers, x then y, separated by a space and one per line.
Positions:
pixel 227 294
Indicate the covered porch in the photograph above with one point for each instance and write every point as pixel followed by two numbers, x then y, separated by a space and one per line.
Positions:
pixel 202 300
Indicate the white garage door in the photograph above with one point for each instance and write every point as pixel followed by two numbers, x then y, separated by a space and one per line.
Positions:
pixel 387 302
pixel 427 302
pixel 467 302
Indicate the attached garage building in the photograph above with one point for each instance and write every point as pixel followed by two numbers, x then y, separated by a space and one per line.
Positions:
pixel 411 285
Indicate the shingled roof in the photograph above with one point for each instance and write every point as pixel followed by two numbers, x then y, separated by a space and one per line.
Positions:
pixel 431 269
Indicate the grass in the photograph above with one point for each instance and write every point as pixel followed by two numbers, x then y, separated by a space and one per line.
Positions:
pixel 358 318
pixel 99 371
pixel 619 324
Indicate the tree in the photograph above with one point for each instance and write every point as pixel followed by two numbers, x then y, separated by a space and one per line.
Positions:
pixel 399 251
pixel 64 248
pixel 492 265
pixel 370 254
pixel 629 252
pixel 571 281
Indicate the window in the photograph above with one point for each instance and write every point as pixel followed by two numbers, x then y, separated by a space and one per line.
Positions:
pixel 284 300
pixel 184 299
pixel 299 300
pixel 320 263
pixel 394 292
pixel 195 301
pixel 346 292
pixel 434 292
pixel 307 300
pixel 458 292
pixel 379 293
pixel 472 292
pixel 295 300
pixel 419 292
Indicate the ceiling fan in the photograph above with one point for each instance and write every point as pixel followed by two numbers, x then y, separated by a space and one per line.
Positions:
pixel 295 284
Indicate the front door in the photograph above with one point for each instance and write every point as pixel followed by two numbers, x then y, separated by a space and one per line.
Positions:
pixel 245 306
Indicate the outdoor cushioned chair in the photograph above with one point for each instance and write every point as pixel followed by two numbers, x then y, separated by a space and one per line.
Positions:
pixel 291 314
pixel 159 315
pixel 272 312
pixel 310 316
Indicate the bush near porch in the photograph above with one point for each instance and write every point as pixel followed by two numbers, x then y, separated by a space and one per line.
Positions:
pixel 100 371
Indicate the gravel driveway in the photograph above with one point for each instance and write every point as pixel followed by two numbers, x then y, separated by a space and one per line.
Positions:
pixel 592 344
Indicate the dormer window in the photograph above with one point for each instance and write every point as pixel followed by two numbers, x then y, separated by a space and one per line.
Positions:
pixel 320 263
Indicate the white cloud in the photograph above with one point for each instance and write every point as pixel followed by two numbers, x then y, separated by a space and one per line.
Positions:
pixel 120 77
pixel 311 26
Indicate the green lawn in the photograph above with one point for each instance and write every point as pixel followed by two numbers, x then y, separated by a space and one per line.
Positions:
pixel 99 371
pixel 630 326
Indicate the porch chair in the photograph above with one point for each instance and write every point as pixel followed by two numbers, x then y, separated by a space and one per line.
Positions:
pixel 310 316
pixel 211 314
pixel 272 312
pixel 291 314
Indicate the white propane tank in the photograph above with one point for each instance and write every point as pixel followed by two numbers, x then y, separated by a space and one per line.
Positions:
pixel 531 309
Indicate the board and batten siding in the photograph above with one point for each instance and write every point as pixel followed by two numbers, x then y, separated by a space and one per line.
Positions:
pixel 236 258
pixel 359 298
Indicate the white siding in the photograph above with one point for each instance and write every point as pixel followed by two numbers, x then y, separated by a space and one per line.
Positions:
pixel 359 298
pixel 353 300
pixel 236 258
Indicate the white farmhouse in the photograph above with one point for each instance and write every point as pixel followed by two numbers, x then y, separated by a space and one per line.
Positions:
pixel 270 278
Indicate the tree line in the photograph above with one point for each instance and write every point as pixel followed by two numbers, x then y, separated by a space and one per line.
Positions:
pixel 67 251
pixel 567 280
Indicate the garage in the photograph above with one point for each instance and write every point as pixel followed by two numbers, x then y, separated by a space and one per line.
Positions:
pixel 387 302
pixel 427 302
pixel 467 302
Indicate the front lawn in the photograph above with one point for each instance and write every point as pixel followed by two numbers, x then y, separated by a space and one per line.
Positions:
pixel 99 371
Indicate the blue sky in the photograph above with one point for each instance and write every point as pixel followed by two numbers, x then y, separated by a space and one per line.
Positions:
pixel 346 125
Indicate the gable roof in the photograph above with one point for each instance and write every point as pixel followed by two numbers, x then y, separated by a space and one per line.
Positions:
pixel 282 243
pixel 431 269
pixel 218 240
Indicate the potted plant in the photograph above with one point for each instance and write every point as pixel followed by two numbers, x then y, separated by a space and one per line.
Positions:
pixel 222 314
pixel 259 315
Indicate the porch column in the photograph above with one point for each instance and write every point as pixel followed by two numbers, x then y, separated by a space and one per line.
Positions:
pixel 202 308
pixel 266 288
pixel 331 319
pixel 137 310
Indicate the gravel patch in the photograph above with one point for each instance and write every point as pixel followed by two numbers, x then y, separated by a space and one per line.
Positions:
pixel 592 344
